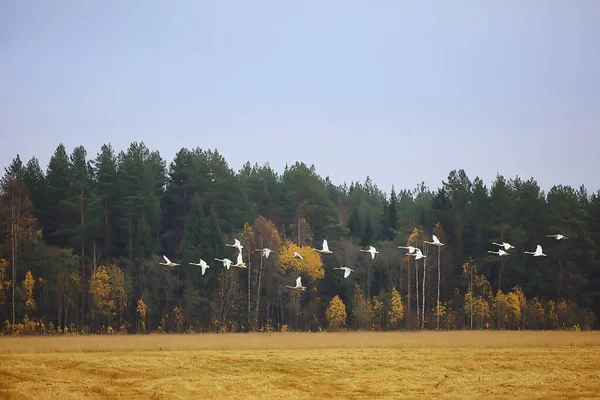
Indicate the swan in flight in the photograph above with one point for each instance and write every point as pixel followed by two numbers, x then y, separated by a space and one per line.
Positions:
pixel 298 285
pixel 325 249
pixel 240 262
pixel 371 250
pixel 558 236
pixel 202 264
pixel 417 254
pixel 236 244
pixel 410 249
pixel 499 252
pixel 436 242
pixel 506 246
pixel 297 255
pixel 346 271
pixel 537 252
pixel 226 262
pixel 265 252
pixel 168 262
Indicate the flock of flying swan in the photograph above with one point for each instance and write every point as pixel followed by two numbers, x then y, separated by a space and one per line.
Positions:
pixel 504 247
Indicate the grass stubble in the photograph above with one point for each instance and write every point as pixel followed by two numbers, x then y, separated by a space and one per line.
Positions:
pixel 355 365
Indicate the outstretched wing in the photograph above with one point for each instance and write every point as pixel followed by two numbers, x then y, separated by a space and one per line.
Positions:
pixel 166 259
pixel 538 249
pixel 299 281
pixel 325 246
pixel 239 258
pixel 236 243
pixel 347 272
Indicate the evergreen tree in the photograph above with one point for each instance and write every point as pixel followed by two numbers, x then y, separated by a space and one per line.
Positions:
pixel 56 221
pixel 105 174
pixel 36 183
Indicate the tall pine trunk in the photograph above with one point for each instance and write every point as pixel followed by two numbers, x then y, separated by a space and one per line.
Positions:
pixel 249 317
pixel 256 317
pixel 417 293
pixel 438 288
pixel 408 297
pixel 423 294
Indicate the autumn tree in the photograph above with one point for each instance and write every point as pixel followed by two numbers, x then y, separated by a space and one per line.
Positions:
pixel 336 314
pixel 5 283
pixel 28 285
pixel 265 236
pixel 142 311
pixel 311 264
pixel 362 309
pixel 107 286
pixel 247 240
pixel 16 221
pixel 396 312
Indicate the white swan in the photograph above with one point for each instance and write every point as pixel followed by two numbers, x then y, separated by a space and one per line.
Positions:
pixel 325 249
pixel 410 249
pixel 500 252
pixel 266 252
pixel 202 264
pixel 346 271
pixel 298 285
pixel 226 262
pixel 168 262
pixel 240 262
pixel 297 255
pixel 506 246
pixel 236 244
pixel 417 254
pixel 436 242
pixel 537 252
pixel 371 250
pixel 558 236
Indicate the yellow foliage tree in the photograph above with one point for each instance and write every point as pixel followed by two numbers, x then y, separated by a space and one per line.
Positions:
pixel 509 309
pixel 28 285
pixel 336 314
pixel 311 264
pixel 522 305
pixel 142 310
pixel 396 312
pixel 4 281
pixel 534 314
pixel 363 311
pixel 377 313
pixel 178 314
pixel 552 314
pixel 107 286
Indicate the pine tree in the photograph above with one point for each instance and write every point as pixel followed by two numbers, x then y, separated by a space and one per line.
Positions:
pixel 105 174
pixel 367 233
pixel 36 183
pixel 58 190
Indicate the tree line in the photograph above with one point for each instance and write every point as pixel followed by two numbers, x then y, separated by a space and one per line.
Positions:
pixel 81 244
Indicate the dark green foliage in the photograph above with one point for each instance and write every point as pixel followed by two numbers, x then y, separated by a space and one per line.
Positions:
pixel 129 210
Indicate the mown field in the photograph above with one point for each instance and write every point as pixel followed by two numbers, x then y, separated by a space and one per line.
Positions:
pixel 361 365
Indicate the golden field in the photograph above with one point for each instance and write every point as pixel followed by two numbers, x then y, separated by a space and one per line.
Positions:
pixel 355 365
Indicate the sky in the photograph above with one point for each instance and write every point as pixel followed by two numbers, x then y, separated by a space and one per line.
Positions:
pixel 400 91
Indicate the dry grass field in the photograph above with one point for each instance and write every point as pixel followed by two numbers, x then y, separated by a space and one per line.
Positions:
pixel 360 365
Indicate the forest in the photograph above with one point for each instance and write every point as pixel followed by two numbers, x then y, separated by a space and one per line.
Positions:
pixel 81 245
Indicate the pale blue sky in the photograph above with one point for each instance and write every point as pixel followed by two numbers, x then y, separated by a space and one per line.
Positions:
pixel 401 91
